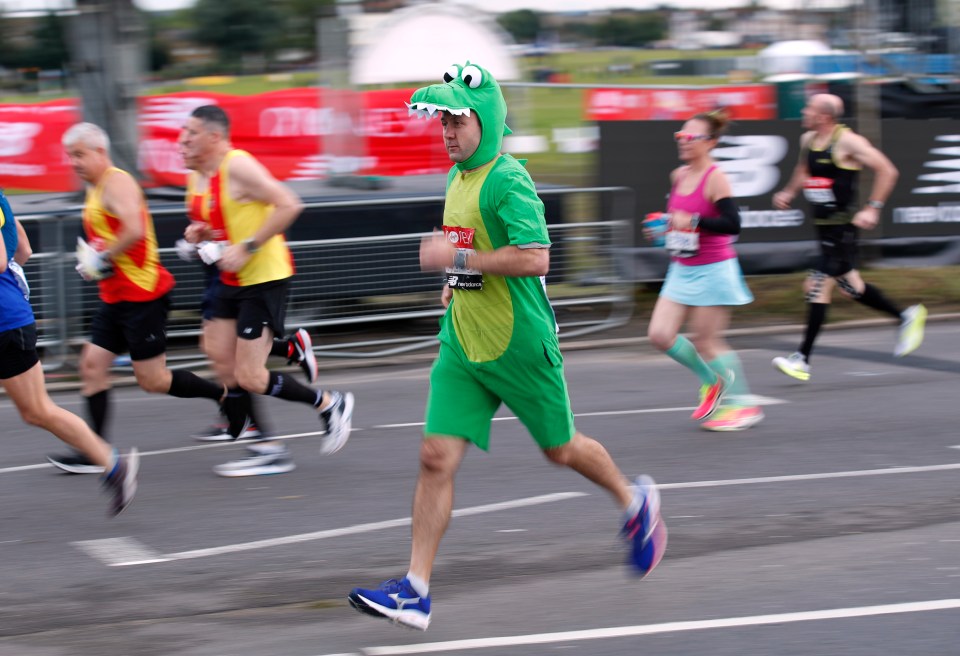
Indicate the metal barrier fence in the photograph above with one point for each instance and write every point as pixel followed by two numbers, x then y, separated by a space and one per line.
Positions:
pixel 364 286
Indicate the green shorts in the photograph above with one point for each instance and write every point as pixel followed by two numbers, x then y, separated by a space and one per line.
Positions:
pixel 465 395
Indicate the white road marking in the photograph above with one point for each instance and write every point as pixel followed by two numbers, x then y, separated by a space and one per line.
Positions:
pixel 179 449
pixel 125 548
pixel 117 552
pixel 759 400
pixel 10 470
pixel 666 627
pixel 121 561
pixel 810 477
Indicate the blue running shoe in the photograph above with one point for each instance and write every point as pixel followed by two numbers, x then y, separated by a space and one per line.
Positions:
pixel 396 601
pixel 645 531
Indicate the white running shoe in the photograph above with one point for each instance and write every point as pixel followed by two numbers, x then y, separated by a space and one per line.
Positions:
pixel 74 463
pixel 261 460
pixel 121 483
pixel 914 318
pixel 794 365
pixel 338 418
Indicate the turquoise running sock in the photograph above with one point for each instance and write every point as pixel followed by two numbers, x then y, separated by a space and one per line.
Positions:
pixel 730 361
pixel 684 352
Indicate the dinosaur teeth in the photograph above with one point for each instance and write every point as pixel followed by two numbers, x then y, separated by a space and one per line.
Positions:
pixel 429 110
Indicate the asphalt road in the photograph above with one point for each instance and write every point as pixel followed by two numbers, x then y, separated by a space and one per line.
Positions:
pixel 831 528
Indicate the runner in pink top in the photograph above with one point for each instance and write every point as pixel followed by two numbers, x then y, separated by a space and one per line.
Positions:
pixel 704 279
pixel 714 246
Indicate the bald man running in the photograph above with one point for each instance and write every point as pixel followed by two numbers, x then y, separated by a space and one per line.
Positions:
pixel 831 158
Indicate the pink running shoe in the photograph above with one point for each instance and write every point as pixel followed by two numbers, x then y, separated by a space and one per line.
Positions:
pixel 710 397
pixel 734 418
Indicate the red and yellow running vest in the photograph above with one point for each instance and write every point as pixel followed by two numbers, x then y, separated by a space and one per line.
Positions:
pixel 137 273
pixel 235 221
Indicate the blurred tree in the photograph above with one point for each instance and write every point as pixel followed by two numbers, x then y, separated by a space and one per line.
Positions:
pixel 631 31
pixel 579 32
pixel 158 57
pixel 11 54
pixel 238 28
pixel 523 25
pixel 49 50
pixel 300 21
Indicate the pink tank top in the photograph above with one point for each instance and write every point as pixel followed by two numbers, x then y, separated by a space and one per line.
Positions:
pixel 714 247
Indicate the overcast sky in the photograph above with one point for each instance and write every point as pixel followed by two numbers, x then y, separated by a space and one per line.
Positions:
pixel 490 5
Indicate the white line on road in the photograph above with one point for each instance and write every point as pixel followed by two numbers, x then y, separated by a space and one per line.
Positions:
pixel 179 449
pixel 810 477
pixel 666 627
pixel 116 551
pixel 103 549
pixel 129 549
pixel 757 399
pixel 760 400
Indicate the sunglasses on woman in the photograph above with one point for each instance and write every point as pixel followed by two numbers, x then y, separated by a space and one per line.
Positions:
pixel 689 137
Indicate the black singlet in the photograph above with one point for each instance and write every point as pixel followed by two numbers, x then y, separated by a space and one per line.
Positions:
pixel 821 165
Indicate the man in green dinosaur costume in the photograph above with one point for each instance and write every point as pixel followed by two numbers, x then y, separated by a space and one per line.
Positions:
pixel 498 341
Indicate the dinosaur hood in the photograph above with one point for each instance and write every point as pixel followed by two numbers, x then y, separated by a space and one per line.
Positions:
pixel 467 88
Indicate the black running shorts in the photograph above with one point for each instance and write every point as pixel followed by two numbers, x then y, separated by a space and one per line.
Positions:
pixel 254 307
pixel 139 327
pixel 18 351
pixel 838 249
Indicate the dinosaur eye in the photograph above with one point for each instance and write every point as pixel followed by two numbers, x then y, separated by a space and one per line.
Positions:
pixel 451 73
pixel 472 76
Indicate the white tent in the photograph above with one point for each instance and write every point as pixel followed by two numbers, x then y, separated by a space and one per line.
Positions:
pixel 418 44
pixel 790 56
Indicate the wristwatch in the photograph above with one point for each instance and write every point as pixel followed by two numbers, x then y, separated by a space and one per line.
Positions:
pixel 249 245
pixel 875 204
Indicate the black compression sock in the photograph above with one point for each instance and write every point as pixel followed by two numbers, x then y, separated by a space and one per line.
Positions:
pixel 98 406
pixel 280 348
pixel 287 388
pixel 872 297
pixel 188 385
pixel 256 416
pixel 816 316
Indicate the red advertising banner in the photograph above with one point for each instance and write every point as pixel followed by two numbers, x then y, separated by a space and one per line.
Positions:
pixel 298 134
pixel 402 144
pixel 31 156
pixel 748 102
pixel 304 134
pixel 301 134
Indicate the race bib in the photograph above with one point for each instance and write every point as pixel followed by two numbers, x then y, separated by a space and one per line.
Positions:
pixel 462 278
pixel 819 191
pixel 682 243
pixel 21 278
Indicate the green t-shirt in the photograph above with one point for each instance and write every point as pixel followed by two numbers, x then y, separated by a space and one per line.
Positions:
pixel 498 206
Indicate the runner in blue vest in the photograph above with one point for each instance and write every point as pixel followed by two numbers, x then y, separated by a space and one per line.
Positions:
pixel 22 375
